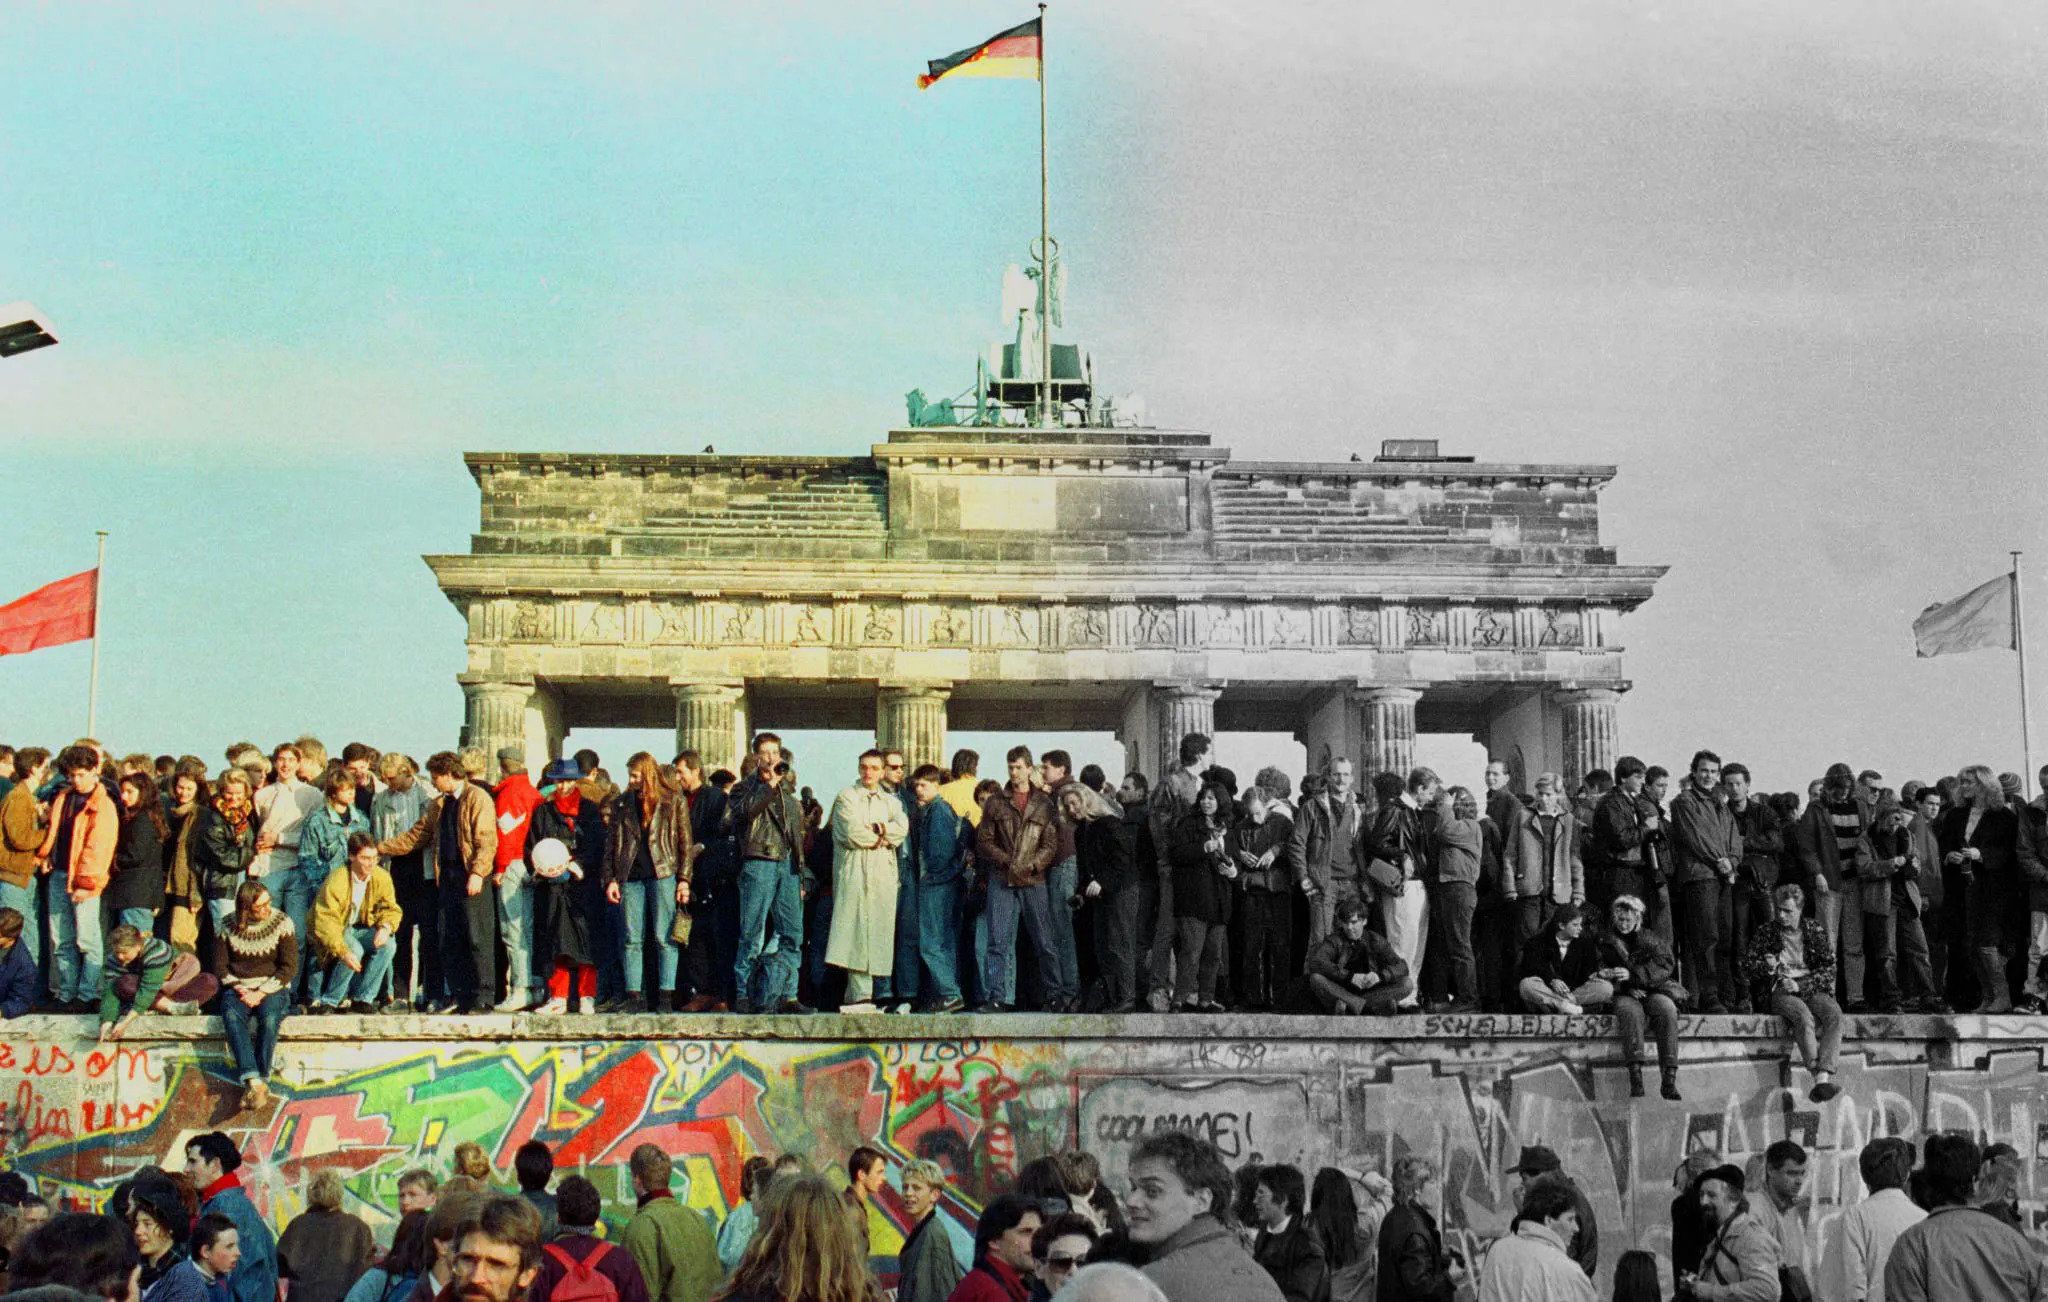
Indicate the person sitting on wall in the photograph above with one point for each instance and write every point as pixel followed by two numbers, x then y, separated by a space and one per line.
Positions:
pixel 1559 971
pixel 145 974
pixel 1354 970
pixel 1791 968
pixel 1637 962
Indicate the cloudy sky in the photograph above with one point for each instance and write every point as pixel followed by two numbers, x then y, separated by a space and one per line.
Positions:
pixel 1783 264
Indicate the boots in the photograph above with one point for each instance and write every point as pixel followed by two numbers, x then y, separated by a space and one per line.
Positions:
pixel 1669 1074
pixel 1991 975
pixel 1635 1080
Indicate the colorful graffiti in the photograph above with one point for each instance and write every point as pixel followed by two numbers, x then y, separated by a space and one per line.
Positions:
pixel 79 1117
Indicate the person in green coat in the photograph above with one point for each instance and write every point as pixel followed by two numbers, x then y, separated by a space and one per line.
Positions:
pixel 673 1244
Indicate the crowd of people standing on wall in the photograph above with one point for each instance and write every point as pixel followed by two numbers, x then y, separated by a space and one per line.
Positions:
pixel 1929 1226
pixel 298 883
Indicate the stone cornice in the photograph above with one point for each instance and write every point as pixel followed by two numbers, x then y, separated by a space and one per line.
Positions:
pixel 465 576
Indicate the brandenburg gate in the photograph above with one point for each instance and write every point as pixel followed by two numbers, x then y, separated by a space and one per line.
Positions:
pixel 1139 581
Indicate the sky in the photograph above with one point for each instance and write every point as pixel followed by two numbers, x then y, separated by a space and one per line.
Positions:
pixel 1783 265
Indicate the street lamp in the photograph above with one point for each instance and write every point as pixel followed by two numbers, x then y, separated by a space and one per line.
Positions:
pixel 23 329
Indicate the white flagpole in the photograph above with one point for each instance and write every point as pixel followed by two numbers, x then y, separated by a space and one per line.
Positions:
pixel 92 696
pixel 2019 645
pixel 1045 399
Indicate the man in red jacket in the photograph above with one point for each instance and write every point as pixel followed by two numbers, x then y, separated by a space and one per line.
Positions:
pixel 78 854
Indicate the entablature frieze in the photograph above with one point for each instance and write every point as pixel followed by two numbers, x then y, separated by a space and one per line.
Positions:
pixel 1056 622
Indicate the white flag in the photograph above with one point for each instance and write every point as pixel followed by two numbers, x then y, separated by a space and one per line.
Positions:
pixel 1981 617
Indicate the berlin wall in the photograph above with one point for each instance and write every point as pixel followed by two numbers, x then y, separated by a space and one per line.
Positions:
pixel 983 1096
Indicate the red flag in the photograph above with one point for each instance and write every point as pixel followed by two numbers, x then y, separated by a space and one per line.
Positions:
pixel 52 615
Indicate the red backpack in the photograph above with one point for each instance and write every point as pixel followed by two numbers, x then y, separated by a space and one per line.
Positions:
pixel 582 1281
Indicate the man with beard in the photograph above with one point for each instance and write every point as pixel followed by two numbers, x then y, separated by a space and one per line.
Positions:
pixel 497 1255
pixel 1741 1262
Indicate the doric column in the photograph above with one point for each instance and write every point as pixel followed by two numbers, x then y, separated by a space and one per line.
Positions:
pixel 705 723
pixel 912 718
pixel 1591 731
pixel 1387 727
pixel 494 716
pixel 1181 708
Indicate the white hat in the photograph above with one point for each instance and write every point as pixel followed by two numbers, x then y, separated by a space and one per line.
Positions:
pixel 1628 902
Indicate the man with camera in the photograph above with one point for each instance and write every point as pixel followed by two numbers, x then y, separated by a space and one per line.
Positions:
pixel 770 824
pixel 1741 1262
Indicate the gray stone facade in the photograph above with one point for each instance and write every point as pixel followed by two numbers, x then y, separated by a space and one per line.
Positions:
pixel 1138 581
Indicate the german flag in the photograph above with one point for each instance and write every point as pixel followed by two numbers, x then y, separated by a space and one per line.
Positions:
pixel 1015 53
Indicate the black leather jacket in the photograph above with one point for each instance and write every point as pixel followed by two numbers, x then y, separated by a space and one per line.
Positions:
pixel 769 820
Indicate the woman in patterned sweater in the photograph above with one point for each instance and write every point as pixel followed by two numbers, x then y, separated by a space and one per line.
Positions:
pixel 256 955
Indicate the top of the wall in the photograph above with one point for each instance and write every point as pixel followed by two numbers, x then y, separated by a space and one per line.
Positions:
pixel 1451 1029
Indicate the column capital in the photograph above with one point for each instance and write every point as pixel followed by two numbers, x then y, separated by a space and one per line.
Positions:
pixel 1573 694
pixel 937 690
pixel 714 689
pixel 1189 688
pixel 1391 693
pixel 480 683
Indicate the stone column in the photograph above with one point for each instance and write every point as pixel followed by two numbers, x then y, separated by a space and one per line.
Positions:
pixel 545 729
pixel 705 723
pixel 912 717
pixel 1591 731
pixel 1387 725
pixel 494 716
pixel 1181 708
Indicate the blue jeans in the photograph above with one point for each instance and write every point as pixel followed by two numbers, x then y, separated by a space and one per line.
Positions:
pixel 656 897
pixel 1033 905
pixel 143 920
pixel 222 910
pixel 292 889
pixel 77 943
pixel 252 1055
pixel 367 985
pixel 768 894
pixel 927 922
pixel 1060 886
pixel 515 929
pixel 1006 994
pixel 22 899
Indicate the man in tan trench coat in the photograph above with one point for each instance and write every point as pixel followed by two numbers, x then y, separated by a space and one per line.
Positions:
pixel 868 824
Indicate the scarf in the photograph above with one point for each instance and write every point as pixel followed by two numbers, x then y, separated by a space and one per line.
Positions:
pixel 236 814
pixel 181 884
pixel 568 800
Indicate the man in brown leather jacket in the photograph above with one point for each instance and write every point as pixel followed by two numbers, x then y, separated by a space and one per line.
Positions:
pixel 1017 844
pixel 460 833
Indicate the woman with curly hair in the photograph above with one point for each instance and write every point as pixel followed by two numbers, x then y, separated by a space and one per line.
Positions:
pixel 803 1251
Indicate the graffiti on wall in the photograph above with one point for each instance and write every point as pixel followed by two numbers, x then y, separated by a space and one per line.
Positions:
pixel 80 1118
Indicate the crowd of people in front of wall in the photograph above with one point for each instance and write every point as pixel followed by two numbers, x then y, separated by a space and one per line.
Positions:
pixel 293 883
pixel 1938 1226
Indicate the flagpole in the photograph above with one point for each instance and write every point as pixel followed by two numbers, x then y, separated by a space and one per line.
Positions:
pixel 2019 645
pixel 92 696
pixel 1044 244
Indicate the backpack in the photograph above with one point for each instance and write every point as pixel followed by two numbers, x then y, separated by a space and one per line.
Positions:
pixel 582 1281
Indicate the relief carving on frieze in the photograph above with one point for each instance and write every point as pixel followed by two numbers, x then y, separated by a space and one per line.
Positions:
pixel 1015 626
pixel 1086 626
pixel 813 625
pixel 1287 626
pixel 883 624
pixel 601 621
pixel 532 622
pixel 1493 628
pixel 668 622
pixel 1226 626
pixel 950 626
pixel 1428 626
pixel 1561 628
pixel 739 624
pixel 1361 626
pixel 1156 625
